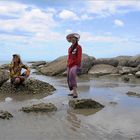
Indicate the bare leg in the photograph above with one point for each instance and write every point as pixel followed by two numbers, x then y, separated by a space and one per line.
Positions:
pixel 75 95
pixel 17 81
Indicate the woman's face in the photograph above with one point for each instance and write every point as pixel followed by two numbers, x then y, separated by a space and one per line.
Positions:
pixel 15 59
pixel 73 40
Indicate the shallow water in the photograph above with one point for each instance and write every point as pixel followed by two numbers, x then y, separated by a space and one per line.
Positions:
pixel 119 121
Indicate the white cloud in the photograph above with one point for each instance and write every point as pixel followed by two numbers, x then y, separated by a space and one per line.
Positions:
pixel 66 14
pixel 68 31
pixel 50 36
pixel 11 8
pixel 85 17
pixel 87 36
pixel 118 22
pixel 109 7
pixel 30 20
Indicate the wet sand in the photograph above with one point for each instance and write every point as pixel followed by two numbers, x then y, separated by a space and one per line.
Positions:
pixel 119 121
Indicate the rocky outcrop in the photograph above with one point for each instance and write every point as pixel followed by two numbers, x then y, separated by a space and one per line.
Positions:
pixel 5 115
pixel 38 63
pixel 59 66
pixel 102 69
pixel 128 70
pixel 107 61
pixel 4 66
pixel 134 61
pixel 87 63
pixel 42 107
pixel 55 67
pixel 130 93
pixel 4 76
pixel 137 74
pixel 31 86
pixel 123 60
pixel 126 78
pixel 85 104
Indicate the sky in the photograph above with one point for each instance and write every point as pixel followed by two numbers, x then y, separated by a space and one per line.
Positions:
pixel 37 29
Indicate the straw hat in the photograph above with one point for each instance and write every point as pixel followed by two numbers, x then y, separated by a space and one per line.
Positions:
pixel 76 35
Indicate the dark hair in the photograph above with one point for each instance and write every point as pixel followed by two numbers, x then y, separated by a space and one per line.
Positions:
pixel 74 46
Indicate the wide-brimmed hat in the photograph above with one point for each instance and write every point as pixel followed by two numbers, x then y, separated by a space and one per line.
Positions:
pixel 76 35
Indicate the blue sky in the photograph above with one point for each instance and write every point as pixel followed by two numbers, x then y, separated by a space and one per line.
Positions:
pixel 36 29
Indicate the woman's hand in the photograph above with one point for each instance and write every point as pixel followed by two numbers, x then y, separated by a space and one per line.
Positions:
pixel 27 73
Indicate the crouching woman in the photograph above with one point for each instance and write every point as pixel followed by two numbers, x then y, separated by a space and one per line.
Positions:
pixel 16 77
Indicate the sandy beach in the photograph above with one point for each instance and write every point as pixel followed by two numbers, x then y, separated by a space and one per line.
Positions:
pixel 119 120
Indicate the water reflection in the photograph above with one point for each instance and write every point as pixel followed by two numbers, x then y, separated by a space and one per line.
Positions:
pixel 73 120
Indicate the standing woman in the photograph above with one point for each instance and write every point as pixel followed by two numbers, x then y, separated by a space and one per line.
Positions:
pixel 74 62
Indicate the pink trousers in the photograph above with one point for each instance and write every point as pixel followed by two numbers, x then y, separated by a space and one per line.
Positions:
pixel 71 77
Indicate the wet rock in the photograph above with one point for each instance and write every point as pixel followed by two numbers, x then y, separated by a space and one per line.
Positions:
pixel 84 104
pixel 37 73
pixel 31 86
pixel 103 69
pixel 113 103
pixel 4 76
pixel 107 61
pixel 126 78
pixel 137 74
pixel 42 107
pixel 131 93
pixel 8 99
pixel 127 70
pixel 5 115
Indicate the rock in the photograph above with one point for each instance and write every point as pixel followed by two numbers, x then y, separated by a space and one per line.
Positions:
pixel 55 67
pixel 113 103
pixel 31 86
pixel 87 63
pixel 107 61
pixel 4 66
pixel 134 61
pixel 130 74
pixel 4 76
pixel 84 104
pixel 102 69
pixel 8 99
pixel 137 74
pixel 42 107
pixel 37 73
pixel 38 63
pixel 130 93
pixel 127 70
pixel 122 60
pixel 59 66
pixel 125 78
pixel 5 115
